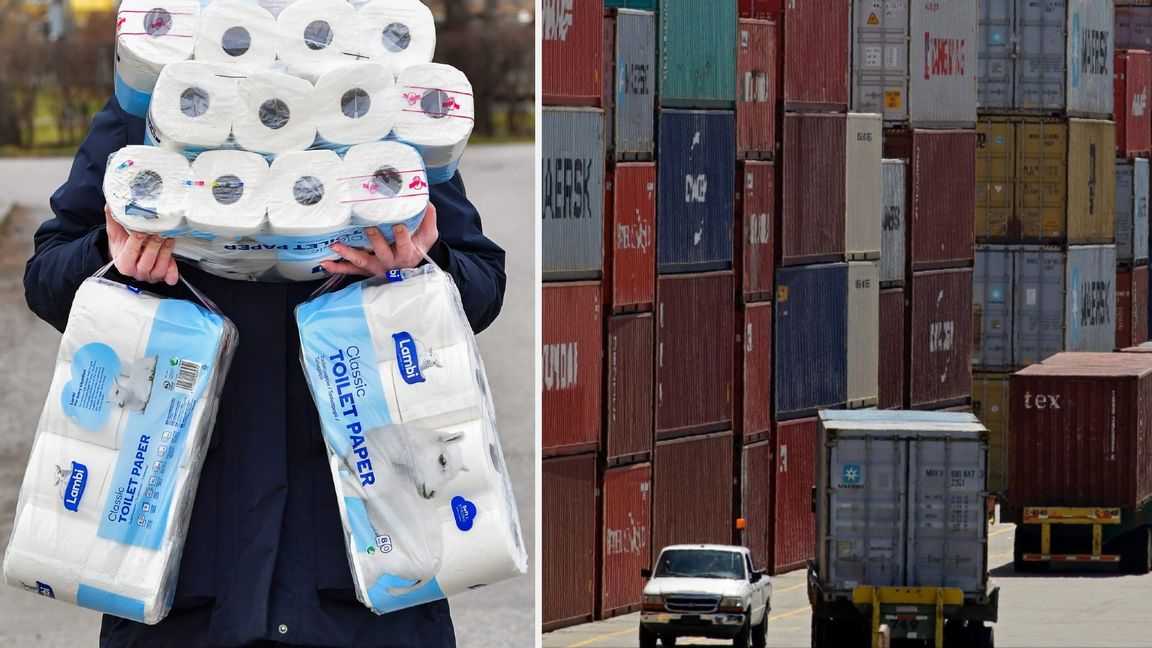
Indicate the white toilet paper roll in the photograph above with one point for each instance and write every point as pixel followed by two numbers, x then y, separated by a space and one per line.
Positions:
pixel 437 112
pixel 305 195
pixel 356 103
pixel 426 299
pixel 317 35
pixel 386 183
pixel 151 34
pixel 278 114
pixel 145 188
pixel 110 314
pixel 238 33
pixel 69 477
pixel 296 271
pixel 435 387
pixel 228 193
pixel 193 106
pixel 489 551
pixel 399 32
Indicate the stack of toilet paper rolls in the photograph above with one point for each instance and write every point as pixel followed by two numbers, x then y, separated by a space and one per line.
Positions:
pixel 424 495
pixel 105 502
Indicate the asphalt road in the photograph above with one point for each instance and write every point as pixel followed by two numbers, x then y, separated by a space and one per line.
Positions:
pixel 1064 609
pixel 499 615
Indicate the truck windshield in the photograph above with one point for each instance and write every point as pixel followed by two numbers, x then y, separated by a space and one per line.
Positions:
pixel 700 563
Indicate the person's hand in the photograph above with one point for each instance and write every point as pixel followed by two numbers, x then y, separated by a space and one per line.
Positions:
pixel 407 252
pixel 140 256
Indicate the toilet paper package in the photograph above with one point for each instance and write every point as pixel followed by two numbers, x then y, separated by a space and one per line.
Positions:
pixel 149 36
pixel 145 188
pixel 426 504
pixel 436 116
pixel 106 497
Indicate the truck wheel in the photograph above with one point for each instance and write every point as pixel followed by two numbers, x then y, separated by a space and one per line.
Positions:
pixel 979 635
pixel 819 640
pixel 647 638
pixel 668 641
pixel 760 632
pixel 1137 559
pixel 741 638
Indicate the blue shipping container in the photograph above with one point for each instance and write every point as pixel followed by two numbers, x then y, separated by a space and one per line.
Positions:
pixel 811 355
pixel 697 167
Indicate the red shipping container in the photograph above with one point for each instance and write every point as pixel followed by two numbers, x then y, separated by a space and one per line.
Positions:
pixel 572 53
pixel 939 338
pixel 754 8
pixel 815 61
pixel 1131 306
pixel 629 390
pixel 627 541
pixel 1133 75
pixel 812 189
pixel 1079 432
pixel 572 343
pixel 694 353
pixel 756 470
pixel 630 237
pixel 941 181
pixel 794 523
pixel 755 89
pixel 755 211
pixel 891 349
pixel 754 362
pixel 692 491
pixel 568 519
pixel 608 72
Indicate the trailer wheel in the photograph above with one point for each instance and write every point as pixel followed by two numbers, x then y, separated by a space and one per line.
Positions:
pixel 647 638
pixel 1137 559
pixel 979 635
pixel 1023 543
pixel 668 641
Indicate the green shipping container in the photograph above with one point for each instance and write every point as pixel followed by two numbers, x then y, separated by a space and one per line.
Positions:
pixel 697 53
pixel 644 5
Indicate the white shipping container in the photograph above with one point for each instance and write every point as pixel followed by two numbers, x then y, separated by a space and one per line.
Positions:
pixel 863 348
pixel 863 185
pixel 1132 212
pixel 880 58
pixel 943 56
pixel 892 223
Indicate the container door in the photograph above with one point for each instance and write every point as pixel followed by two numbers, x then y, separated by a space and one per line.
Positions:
pixel 1040 56
pixel 996 69
pixel 1039 305
pixel 880 58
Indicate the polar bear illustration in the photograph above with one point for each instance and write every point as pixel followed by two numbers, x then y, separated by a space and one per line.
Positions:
pixel 132 389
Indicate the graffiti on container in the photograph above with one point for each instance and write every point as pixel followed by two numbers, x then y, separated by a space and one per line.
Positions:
pixel 1094 309
pixel 696 188
pixel 941 336
pixel 893 219
pixel 1094 51
pixel 943 56
pixel 759 229
pixel 566 192
pixel 1041 401
pixel 634 79
pixel 1092 178
pixel 557 19
pixel 1139 103
pixel 561 364
pixel 629 540
pixel 633 237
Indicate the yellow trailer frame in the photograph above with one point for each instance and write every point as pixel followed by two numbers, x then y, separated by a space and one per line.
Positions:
pixel 1046 516
pixel 938 597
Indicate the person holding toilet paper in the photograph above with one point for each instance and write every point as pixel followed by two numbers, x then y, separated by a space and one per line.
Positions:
pixel 264 558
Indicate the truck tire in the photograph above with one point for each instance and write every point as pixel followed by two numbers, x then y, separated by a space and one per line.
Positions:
pixel 1137 558
pixel 979 635
pixel 647 638
pixel 760 632
pixel 741 639
pixel 668 641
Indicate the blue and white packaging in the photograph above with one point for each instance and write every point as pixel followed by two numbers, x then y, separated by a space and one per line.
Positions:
pixel 106 498
pixel 424 495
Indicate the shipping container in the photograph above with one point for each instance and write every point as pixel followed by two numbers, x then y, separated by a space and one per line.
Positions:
pixel 1131 306
pixel 892 224
pixel 693 76
pixel 1134 27
pixel 811 330
pixel 756 468
pixel 1079 431
pixel 572 50
pixel 755 229
pixel 695 324
pixel 568 565
pixel 692 491
pixel 793 522
pixel 570 350
pixel 629 391
pixel 632 84
pixel 939 325
pixel 996 177
pixel 990 405
pixel 608 80
pixel 759 9
pixel 880 59
pixel 812 188
pixel 630 237
pixel 644 5
pixel 863 186
pixel 756 89
pixel 863 347
pixel 754 372
pixel 815 61
pixel 891 375
pixel 696 173
pixel 1132 212
pixel 993 288
pixel 627 538
pixel 996 68
pixel 1133 72
pixel 572 157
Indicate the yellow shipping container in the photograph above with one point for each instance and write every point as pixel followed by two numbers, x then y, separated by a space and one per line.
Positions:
pixel 1091 181
pixel 995 191
pixel 990 405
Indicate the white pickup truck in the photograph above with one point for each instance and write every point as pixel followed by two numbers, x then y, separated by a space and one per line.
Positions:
pixel 705 591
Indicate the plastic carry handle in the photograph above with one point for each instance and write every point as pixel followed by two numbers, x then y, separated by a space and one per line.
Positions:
pixel 201 297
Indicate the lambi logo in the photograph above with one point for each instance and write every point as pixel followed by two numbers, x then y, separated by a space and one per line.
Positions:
pixel 407 359
pixel 74 489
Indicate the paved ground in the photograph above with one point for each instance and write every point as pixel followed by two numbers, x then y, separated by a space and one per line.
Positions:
pixel 1065 609
pixel 500 615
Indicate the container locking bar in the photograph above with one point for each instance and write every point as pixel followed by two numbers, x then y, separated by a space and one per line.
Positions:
pixel 1048 516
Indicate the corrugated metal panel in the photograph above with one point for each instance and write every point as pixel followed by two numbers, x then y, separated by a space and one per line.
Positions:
pixel 863 346
pixel 942 85
pixel 892 223
pixel 1134 28
pixel 990 405
pixel 794 524
pixel 756 89
pixel 863 185
pixel 631 237
pixel 1140 301
pixel 695 320
pixel 568 565
pixel 1090 298
pixel 992 291
pixel 1078 431
pixel 627 539
pixel 1038 303
pixel 1040 181
pixel 811 339
pixel 570 352
pixel 754 358
pixel 995 179
pixel 891 374
pixel 940 337
pixel 996 69
pixel 756 208
pixel 1091 204
pixel 572 157
pixel 943 197
pixel 1133 70
pixel 815 62
pixel 880 58
pixel 692 491
pixel 754 8
pixel 812 178
pixel 629 408
pixel 1038 30
pixel 696 184
pixel 634 84
pixel 646 5
pixel 756 469
pixel 571 53
pixel 1131 306
pixel 691 76
pixel 608 80
pixel 1090 57
pixel 1132 211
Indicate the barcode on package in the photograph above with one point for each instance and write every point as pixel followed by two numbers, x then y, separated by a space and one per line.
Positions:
pixel 188 377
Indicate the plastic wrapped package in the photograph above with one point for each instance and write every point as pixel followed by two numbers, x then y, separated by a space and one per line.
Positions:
pixel 107 496
pixel 424 494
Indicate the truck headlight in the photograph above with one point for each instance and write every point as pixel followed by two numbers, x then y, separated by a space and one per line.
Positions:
pixel 653 599
pixel 732 603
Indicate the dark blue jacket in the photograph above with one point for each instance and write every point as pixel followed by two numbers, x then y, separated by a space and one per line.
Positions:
pixel 265 558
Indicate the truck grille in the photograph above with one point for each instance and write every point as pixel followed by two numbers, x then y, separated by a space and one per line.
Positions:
pixel 692 604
